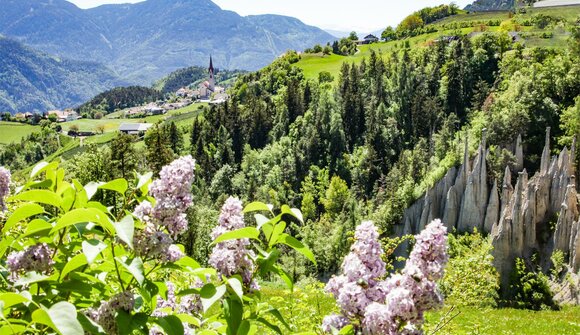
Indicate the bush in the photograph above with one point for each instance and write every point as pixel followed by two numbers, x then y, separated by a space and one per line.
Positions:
pixel 470 278
pixel 529 289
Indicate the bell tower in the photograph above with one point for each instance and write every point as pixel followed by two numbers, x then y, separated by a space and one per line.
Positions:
pixel 211 75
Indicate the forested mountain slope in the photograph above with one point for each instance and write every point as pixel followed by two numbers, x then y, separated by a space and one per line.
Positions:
pixel 33 81
pixel 147 40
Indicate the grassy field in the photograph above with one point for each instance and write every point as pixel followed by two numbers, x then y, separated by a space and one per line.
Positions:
pixel 313 64
pixel 307 305
pixel 14 131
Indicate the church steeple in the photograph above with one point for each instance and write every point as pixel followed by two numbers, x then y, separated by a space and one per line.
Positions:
pixel 211 74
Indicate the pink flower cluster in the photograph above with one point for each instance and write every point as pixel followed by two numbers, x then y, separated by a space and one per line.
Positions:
pixel 167 219
pixel 35 258
pixel 4 185
pixel 233 256
pixel 188 304
pixel 397 304
pixel 105 314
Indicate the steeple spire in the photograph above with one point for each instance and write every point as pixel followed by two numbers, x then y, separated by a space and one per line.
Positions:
pixel 211 74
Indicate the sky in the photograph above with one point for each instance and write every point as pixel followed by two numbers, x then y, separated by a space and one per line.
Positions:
pixel 343 15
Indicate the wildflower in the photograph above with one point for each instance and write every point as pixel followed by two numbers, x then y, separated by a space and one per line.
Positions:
pixel 4 185
pixel 232 257
pixel 35 258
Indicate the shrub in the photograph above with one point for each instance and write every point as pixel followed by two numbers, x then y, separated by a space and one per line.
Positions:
pixel 529 289
pixel 470 278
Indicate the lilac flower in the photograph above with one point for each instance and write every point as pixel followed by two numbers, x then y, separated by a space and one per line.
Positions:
pixel 35 258
pixel 104 315
pixel 362 270
pixel 189 304
pixel 4 185
pixel 334 322
pixel 395 305
pixel 165 220
pixel 232 257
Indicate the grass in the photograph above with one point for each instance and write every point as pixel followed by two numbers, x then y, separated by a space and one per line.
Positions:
pixel 313 64
pixel 307 305
pixel 14 131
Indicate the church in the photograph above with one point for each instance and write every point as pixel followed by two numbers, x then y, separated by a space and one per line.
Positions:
pixel 208 90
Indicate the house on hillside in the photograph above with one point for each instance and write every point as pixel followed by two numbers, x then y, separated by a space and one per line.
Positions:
pixel 370 39
pixel 134 128
pixel 64 116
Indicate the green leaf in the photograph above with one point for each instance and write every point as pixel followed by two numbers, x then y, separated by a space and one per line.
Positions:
pixel 278 230
pixel 31 278
pixel 73 264
pixel 135 268
pixel 260 220
pixel 247 232
pixel 256 207
pixel 269 325
pixel 89 325
pixel 131 324
pixel 297 245
pixel 36 227
pixel 40 196
pixel 347 330
pixel 41 167
pixel 12 329
pixel 276 313
pixel 61 317
pixel 82 215
pixel 210 295
pixel 298 214
pixel 144 179
pixel 22 212
pixel 234 313
pixel 92 248
pixel 10 299
pixel 171 324
pixel 125 230
pixel 267 264
pixel 118 185
pixel 236 285
pixel 285 277
pixel 188 262
pixel 91 188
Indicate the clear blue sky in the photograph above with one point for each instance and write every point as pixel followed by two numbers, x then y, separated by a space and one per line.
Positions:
pixel 345 15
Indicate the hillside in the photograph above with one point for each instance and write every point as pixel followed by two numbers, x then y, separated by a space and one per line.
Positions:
pixel 552 36
pixel 36 82
pixel 147 40
pixel 490 5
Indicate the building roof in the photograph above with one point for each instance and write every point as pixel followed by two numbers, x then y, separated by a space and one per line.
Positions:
pixel 135 126
pixel 371 37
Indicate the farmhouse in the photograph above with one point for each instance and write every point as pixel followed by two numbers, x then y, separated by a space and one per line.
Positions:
pixel 64 116
pixel 134 128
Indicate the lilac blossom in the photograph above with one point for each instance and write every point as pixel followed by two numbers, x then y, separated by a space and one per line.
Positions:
pixel 4 185
pixel 35 258
pixel 395 305
pixel 165 220
pixel 362 270
pixel 233 256
pixel 188 304
pixel 104 315
pixel 334 322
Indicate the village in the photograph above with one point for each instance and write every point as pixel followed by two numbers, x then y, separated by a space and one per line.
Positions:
pixel 206 92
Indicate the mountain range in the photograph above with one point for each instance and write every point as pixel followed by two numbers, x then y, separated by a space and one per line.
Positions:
pixel 144 41
pixel 490 5
pixel 33 81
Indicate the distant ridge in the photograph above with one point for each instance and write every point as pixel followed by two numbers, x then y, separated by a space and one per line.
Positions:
pixel 33 81
pixel 147 40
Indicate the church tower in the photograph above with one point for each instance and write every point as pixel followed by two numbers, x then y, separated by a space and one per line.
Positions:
pixel 211 75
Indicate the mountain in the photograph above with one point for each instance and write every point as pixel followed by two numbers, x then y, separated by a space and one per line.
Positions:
pixel 147 40
pixel 490 5
pixel 33 81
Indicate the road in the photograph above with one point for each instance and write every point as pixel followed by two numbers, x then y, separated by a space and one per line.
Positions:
pixel 550 3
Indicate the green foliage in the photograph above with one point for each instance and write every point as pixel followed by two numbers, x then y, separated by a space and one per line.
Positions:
pixel 470 277
pixel 119 98
pixel 529 289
